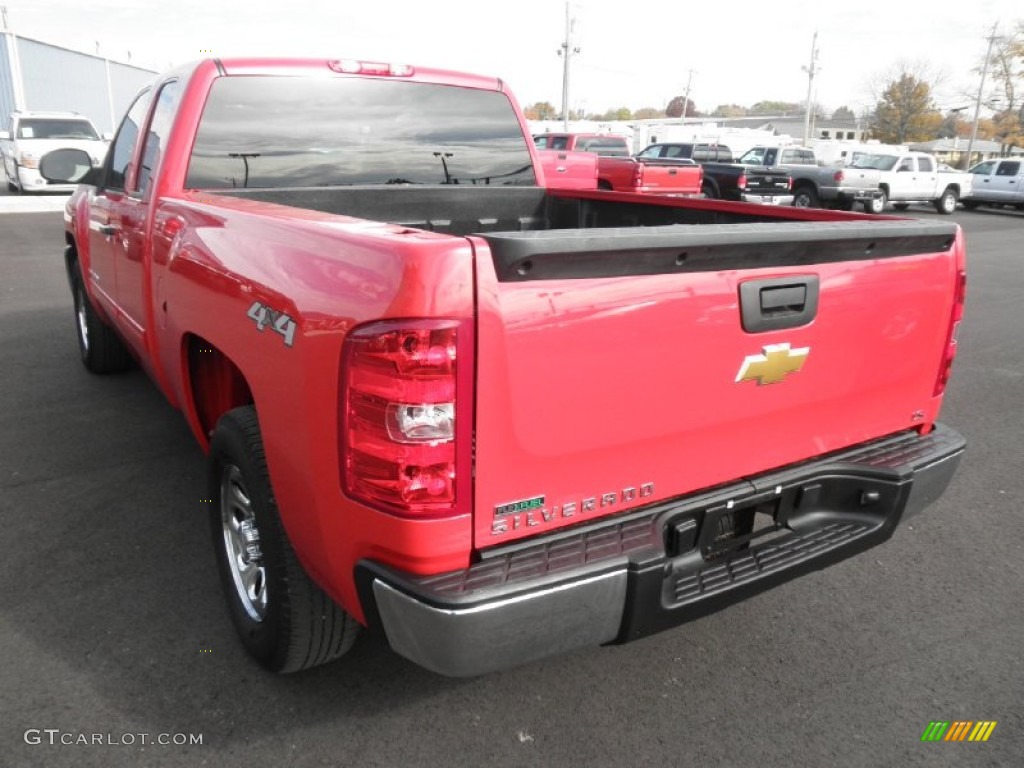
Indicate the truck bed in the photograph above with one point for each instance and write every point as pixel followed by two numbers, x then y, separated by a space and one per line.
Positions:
pixel 513 209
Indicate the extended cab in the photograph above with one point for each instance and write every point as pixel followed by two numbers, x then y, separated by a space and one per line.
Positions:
pixel 724 179
pixel 616 170
pixel 816 186
pixel 495 419
pixel 31 135
pixel 912 177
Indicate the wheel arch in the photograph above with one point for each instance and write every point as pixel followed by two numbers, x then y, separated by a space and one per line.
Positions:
pixel 214 385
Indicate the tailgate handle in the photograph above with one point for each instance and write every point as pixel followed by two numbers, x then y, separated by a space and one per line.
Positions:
pixel 778 303
pixel 672 171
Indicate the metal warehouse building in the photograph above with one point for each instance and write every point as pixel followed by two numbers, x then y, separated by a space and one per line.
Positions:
pixel 38 76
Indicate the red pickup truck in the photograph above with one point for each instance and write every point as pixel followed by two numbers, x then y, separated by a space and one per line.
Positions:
pixel 497 420
pixel 617 170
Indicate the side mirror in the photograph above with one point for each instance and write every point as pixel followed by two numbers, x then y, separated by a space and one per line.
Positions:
pixel 68 166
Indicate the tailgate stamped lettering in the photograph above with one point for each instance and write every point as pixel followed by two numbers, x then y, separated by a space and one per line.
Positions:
pixel 532 512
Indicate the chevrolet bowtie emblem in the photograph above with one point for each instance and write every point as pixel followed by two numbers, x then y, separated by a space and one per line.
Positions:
pixel 773 365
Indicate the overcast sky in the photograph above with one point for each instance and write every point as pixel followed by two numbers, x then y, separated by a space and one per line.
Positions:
pixel 631 55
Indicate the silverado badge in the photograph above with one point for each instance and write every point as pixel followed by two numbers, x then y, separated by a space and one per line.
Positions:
pixel 772 366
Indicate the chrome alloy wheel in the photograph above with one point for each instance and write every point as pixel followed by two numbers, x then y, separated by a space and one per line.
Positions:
pixel 242 543
pixel 83 320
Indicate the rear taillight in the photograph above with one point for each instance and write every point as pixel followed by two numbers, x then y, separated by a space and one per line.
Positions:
pixel 741 182
pixel 838 176
pixel 949 353
pixel 638 175
pixel 789 183
pixel 400 416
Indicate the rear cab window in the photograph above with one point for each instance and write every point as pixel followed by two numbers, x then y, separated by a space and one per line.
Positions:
pixel 284 132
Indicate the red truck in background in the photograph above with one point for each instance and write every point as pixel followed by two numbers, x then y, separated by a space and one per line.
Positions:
pixel 497 420
pixel 618 170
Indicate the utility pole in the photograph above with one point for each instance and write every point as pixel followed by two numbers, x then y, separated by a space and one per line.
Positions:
pixel 686 96
pixel 567 51
pixel 811 69
pixel 981 89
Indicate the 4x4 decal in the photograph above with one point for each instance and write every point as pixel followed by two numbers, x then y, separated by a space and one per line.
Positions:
pixel 277 321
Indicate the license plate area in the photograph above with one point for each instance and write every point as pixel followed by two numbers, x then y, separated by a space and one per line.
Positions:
pixel 778 512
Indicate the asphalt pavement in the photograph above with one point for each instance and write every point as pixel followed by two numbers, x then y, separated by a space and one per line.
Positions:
pixel 113 626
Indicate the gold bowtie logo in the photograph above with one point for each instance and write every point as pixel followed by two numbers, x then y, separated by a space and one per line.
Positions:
pixel 772 367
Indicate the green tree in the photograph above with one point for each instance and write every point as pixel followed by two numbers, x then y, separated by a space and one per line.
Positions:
pixel 648 113
pixel 542 110
pixel 620 113
pixel 775 108
pixel 729 110
pixel 905 112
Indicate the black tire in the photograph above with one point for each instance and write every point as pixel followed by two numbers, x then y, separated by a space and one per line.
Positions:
pixel 901 206
pixel 101 349
pixel 284 620
pixel 946 204
pixel 805 197
pixel 970 205
pixel 844 205
pixel 709 191
pixel 877 205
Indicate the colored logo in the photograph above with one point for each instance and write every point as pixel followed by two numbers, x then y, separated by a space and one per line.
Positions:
pixel 958 730
pixel 772 367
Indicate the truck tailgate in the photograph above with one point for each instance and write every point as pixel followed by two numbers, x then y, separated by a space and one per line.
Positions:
pixel 619 367
pixel 670 176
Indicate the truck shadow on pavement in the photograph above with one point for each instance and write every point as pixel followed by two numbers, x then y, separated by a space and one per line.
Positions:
pixel 114 604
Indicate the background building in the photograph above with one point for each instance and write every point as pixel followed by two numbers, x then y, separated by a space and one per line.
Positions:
pixel 38 76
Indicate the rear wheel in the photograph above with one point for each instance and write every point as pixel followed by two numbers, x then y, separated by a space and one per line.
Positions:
pixel 709 191
pixel 284 620
pixel 877 204
pixel 947 202
pixel 101 349
pixel 805 197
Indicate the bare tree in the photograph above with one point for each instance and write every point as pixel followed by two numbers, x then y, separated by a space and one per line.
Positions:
pixel 1006 67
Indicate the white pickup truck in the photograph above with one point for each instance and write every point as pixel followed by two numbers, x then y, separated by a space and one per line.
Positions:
pixel 32 135
pixel 913 177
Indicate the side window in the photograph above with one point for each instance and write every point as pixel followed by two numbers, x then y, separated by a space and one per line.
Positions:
pixel 983 169
pixel 1008 168
pixel 121 151
pixel 925 164
pixel 159 127
pixel 559 142
pixel 907 164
